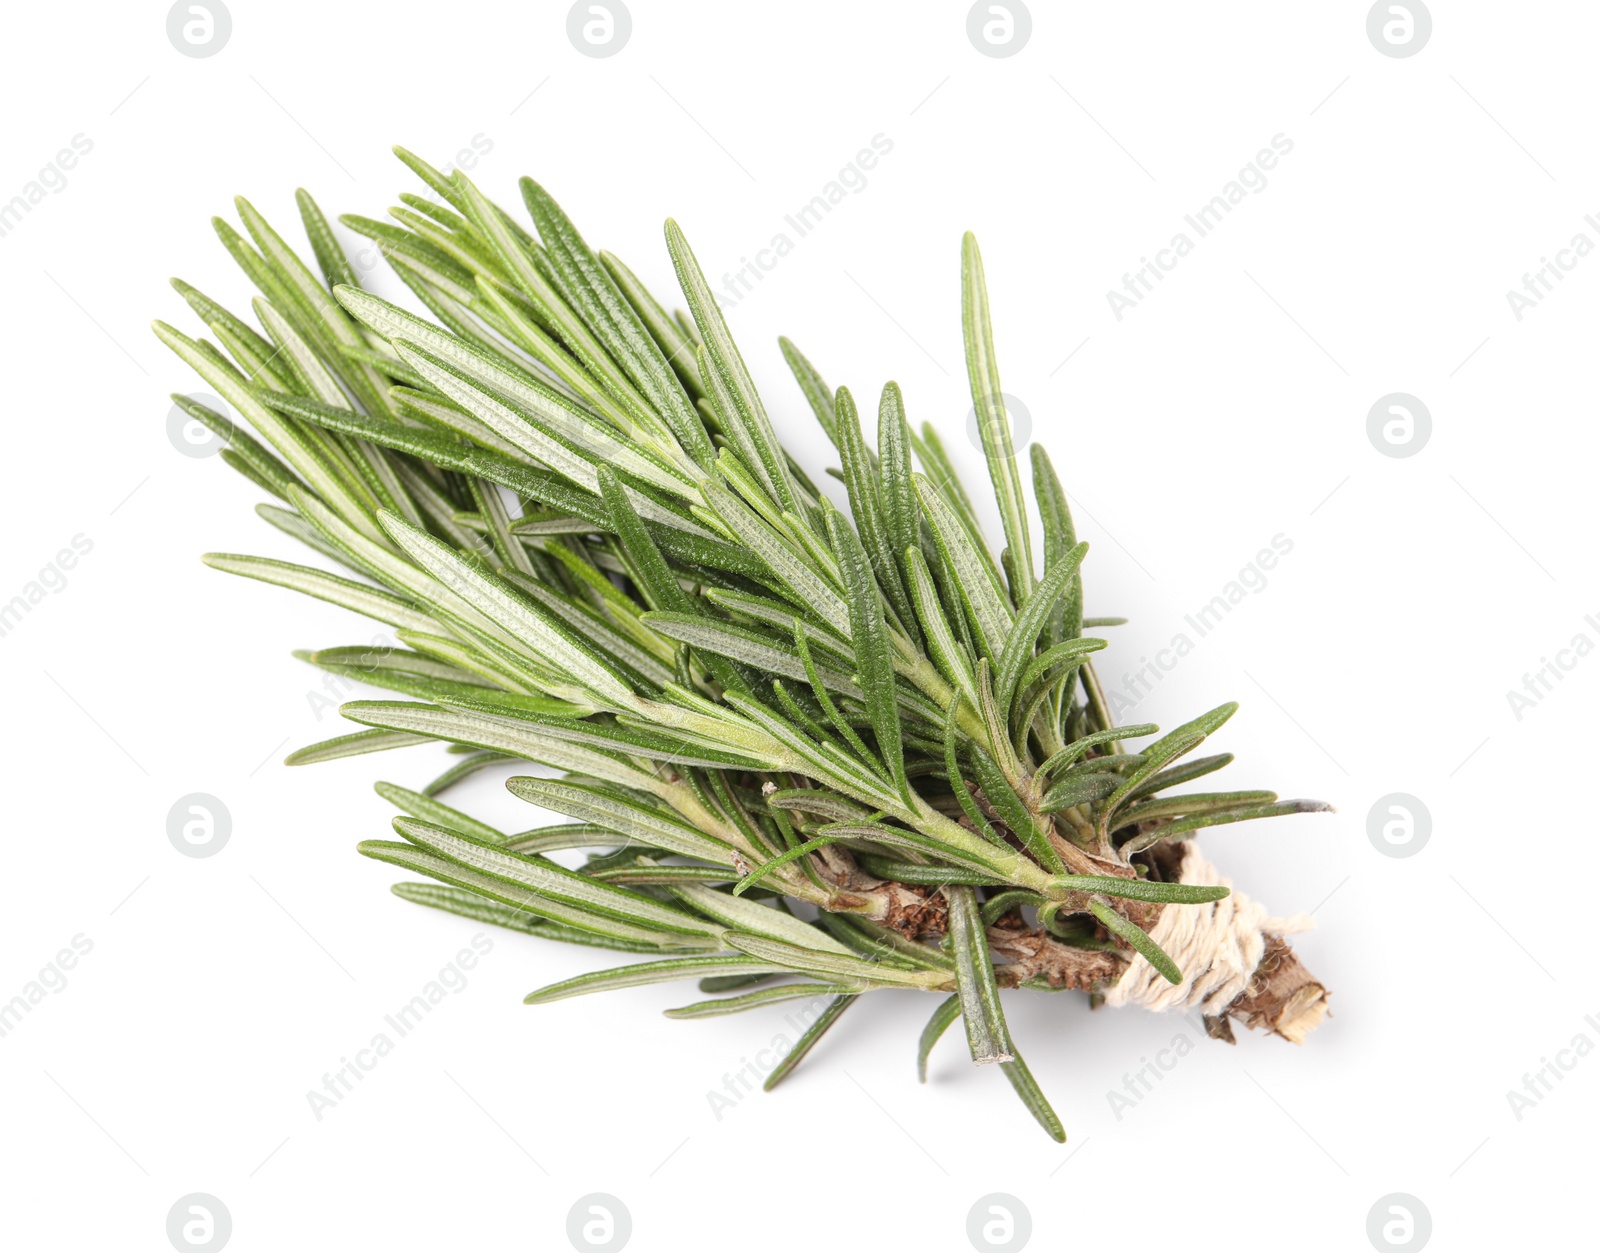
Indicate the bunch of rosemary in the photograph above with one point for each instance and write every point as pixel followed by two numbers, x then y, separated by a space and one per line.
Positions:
pixel 574 511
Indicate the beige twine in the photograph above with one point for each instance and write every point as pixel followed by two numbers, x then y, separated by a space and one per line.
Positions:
pixel 1217 947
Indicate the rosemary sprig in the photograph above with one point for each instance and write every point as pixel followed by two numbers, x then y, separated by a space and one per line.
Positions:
pixel 597 556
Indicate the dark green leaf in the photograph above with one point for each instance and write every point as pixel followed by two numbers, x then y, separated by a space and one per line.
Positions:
pixel 1014 810
pixel 615 323
pixel 808 1040
pixel 874 662
pixel 841 969
pixel 1080 789
pixel 994 424
pixel 1217 818
pixel 1028 1090
pixel 1140 889
pixel 949 1010
pixel 987 1035
pixel 1030 620
pixel 353 745
pixel 1059 538
pixel 1186 773
pixel 817 393
pixel 730 371
pixel 645 973
pixel 760 999
pixel 1139 939
pixel 430 810
pixel 1079 747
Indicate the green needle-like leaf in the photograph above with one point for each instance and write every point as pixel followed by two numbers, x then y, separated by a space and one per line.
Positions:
pixel 808 1039
pixel 369 601
pixel 949 1010
pixel 761 999
pixel 470 904
pixel 1060 536
pixel 987 1035
pixel 1056 662
pixel 1139 939
pixel 997 788
pixel 994 424
pixel 423 861
pixel 955 663
pixel 750 918
pixel 430 810
pixel 1140 889
pixel 868 508
pixel 1153 758
pixel 875 665
pixel 550 882
pixel 1027 1089
pixel 620 812
pixel 556 644
pixel 464 769
pixel 1080 790
pixel 645 973
pixel 971 572
pixel 614 322
pixel 730 371
pixel 832 966
pixel 1186 773
pixel 660 586
pixel 817 393
pixel 1217 818
pixel 1041 604
pixel 353 746
pixel 1066 756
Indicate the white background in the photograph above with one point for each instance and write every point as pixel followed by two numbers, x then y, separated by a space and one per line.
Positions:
pixel 1229 407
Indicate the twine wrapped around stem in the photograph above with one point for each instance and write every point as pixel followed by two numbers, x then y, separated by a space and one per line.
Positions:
pixel 1219 947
